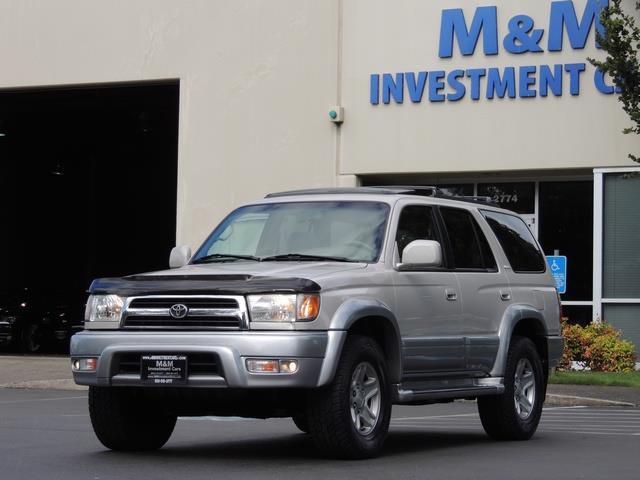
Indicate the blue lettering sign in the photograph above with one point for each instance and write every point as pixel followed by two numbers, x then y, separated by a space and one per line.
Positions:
pixel 527 81
pixel 558 267
pixel 552 81
pixel 458 87
pixel 500 86
pixel 452 22
pixel 574 69
pixel 374 89
pixel 393 88
pixel 415 87
pixel 563 16
pixel 475 74
pixel 519 40
pixel 435 86
pixel 601 85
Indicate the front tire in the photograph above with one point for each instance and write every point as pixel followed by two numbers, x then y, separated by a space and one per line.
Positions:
pixel 350 417
pixel 122 421
pixel 515 414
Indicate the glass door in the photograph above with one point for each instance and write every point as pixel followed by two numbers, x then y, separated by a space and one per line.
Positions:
pixel 566 228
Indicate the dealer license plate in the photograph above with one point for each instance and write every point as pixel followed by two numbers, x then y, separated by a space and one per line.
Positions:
pixel 164 369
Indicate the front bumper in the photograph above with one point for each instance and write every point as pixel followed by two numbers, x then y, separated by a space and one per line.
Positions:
pixel 316 352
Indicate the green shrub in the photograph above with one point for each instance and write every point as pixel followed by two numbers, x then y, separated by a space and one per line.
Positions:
pixel 599 346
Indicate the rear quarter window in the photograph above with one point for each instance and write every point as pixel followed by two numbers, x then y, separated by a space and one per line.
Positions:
pixel 517 242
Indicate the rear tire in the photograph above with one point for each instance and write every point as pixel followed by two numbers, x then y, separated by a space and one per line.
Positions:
pixel 515 414
pixel 122 421
pixel 350 417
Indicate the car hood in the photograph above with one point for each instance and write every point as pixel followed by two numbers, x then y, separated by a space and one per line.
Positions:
pixel 310 270
pixel 238 277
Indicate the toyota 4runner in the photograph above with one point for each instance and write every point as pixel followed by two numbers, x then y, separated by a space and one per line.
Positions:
pixel 328 306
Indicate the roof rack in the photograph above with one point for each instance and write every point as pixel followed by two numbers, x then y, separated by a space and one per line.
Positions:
pixel 419 190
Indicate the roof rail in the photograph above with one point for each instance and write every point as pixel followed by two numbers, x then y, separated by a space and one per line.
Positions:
pixel 419 190
pixel 430 191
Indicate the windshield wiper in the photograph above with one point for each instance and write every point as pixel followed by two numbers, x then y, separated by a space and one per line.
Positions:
pixel 302 257
pixel 224 257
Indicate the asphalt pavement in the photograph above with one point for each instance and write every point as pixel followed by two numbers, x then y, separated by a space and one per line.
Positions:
pixel 47 434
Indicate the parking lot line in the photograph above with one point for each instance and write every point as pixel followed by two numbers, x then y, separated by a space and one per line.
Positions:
pixel 568 420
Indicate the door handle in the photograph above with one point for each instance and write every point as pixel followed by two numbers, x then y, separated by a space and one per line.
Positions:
pixel 505 295
pixel 452 295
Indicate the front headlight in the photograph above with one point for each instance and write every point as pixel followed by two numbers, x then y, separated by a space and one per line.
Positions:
pixel 284 308
pixel 104 308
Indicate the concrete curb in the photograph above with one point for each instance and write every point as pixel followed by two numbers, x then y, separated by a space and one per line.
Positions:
pixel 572 401
pixel 57 384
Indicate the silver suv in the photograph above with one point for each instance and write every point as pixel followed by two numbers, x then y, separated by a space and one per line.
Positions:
pixel 328 306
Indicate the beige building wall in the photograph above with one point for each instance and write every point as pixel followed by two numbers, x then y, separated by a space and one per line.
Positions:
pixel 500 134
pixel 257 78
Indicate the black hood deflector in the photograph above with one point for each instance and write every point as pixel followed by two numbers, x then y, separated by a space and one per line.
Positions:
pixel 201 284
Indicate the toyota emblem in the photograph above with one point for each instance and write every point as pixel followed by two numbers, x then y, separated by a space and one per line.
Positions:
pixel 178 310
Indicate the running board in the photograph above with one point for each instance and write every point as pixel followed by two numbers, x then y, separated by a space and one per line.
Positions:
pixel 436 395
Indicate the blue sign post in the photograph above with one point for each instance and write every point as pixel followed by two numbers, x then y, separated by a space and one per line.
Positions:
pixel 558 266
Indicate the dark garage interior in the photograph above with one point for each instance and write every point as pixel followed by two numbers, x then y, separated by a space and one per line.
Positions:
pixel 87 189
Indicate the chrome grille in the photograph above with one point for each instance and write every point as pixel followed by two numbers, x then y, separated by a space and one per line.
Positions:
pixel 204 312
pixel 189 302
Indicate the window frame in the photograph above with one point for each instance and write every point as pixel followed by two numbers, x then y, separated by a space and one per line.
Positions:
pixel 477 232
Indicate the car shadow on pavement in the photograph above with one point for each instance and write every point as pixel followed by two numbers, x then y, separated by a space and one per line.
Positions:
pixel 301 447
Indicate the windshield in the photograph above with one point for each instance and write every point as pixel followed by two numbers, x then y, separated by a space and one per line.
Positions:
pixel 349 231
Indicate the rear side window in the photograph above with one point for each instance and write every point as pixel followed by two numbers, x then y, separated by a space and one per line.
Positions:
pixel 469 247
pixel 517 242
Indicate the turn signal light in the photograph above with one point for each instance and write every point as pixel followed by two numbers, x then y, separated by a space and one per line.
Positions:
pixel 255 365
pixel 308 307
pixel 259 365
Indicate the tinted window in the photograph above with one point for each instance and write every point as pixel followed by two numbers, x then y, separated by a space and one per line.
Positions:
pixel 517 242
pixel 416 223
pixel 469 247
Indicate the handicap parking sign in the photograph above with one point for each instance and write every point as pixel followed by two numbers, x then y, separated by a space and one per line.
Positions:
pixel 558 266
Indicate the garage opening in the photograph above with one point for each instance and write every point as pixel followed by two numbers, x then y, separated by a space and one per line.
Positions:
pixel 87 189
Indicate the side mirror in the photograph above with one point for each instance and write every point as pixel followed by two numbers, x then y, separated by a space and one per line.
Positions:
pixel 179 256
pixel 421 253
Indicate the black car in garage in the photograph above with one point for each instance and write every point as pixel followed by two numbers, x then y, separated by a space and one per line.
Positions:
pixel 31 321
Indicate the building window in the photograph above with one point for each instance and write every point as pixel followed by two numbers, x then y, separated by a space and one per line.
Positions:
pixel 616 257
pixel 517 196
pixel 621 237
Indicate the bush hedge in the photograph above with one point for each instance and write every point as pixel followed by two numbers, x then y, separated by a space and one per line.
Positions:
pixel 598 346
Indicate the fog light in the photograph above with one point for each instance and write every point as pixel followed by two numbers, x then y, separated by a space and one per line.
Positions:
pixel 288 366
pixel 255 365
pixel 84 364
